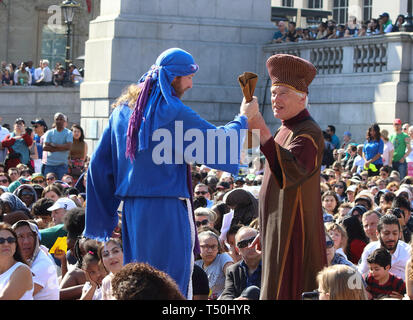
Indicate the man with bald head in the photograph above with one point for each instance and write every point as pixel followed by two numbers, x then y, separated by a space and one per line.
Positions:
pixel 292 233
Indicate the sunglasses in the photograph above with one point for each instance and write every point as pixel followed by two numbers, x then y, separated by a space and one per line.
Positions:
pixel 329 244
pixel 51 178
pixel 245 243
pixel 339 186
pixel 202 223
pixel 4 181
pixel 38 181
pixel 201 192
pixel 9 240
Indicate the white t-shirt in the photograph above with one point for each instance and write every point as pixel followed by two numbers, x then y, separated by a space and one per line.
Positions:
pixel 388 147
pixel 98 292
pixel 410 156
pixel 358 163
pixel 5 278
pixel 45 275
pixel 77 75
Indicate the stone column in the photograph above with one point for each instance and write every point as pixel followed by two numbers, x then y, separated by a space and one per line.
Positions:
pixel 225 38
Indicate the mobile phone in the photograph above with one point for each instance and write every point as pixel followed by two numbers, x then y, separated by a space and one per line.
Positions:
pixel 314 295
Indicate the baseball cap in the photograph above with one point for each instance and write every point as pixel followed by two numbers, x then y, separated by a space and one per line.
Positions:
pixel 347 133
pixel 20 120
pixel 351 187
pixel 397 121
pixel 63 203
pixel 223 185
pixel 40 122
pixel 385 14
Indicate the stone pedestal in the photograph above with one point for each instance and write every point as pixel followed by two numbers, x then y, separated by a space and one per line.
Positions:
pixel 225 38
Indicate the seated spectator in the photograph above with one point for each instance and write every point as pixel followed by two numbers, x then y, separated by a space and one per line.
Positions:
pixel 330 203
pixel 22 77
pixel 300 34
pixel 59 76
pixel 75 75
pixel 386 200
pixel 229 242
pixel 280 34
pixel 46 75
pixel 27 194
pixel 16 282
pixel 214 262
pixel 140 281
pixel 95 272
pixel 343 211
pixel 243 279
pixel 363 31
pixel 292 32
pixel 51 191
pixel 333 257
pixel 200 285
pixel 13 208
pixel 380 281
pixel 385 23
pixel 220 209
pixel 46 286
pixel 111 256
pixel 370 220
pixel 204 217
pixel 398 25
pixel 201 190
pixel 41 215
pixel 331 33
pixel 59 209
pixel 357 240
pixel 333 284
pixel 339 236
pixel 388 233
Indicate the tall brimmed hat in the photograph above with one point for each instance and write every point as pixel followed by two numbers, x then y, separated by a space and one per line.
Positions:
pixel 291 71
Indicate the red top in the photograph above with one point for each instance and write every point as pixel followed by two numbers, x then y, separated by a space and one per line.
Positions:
pixel 356 250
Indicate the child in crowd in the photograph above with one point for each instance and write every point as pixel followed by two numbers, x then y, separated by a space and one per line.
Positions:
pixel 95 272
pixel 380 282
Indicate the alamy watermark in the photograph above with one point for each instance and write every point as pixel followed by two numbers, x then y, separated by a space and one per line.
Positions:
pixel 212 146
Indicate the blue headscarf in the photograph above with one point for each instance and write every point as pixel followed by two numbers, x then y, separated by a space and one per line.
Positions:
pixel 157 103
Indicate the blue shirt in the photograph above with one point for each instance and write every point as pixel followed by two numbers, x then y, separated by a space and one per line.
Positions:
pixel 255 278
pixel 58 158
pixel 39 145
pixel 335 141
pixel 373 147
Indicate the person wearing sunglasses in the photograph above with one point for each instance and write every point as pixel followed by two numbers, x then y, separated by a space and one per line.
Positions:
pixel 204 217
pixel 333 257
pixel 243 279
pixel 16 282
pixel 201 190
pixel 38 178
pixel 4 179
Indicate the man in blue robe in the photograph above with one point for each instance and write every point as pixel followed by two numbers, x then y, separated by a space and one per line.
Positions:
pixel 143 159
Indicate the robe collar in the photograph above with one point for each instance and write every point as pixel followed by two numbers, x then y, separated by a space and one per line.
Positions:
pixel 303 115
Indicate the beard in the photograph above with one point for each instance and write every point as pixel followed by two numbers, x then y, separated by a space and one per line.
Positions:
pixel 387 246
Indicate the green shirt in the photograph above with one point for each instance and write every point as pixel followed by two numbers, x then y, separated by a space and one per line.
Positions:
pixel 399 143
pixel 50 235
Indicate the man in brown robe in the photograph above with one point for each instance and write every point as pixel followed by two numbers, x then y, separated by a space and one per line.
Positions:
pixel 292 235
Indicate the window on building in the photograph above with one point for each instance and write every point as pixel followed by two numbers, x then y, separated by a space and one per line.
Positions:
pixel 340 11
pixel 315 4
pixel 288 3
pixel 367 8
pixel 53 45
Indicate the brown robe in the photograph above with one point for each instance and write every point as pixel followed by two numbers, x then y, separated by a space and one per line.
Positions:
pixel 291 218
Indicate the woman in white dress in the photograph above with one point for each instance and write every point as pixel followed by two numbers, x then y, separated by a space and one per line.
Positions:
pixel 16 282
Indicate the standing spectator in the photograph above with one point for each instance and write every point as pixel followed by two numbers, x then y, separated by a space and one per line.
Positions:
pixel 373 27
pixel 401 143
pixel 244 275
pixel 213 262
pixel 3 134
pixel 380 281
pixel 111 255
pixel 333 284
pixel 58 143
pixel 280 34
pixel 397 27
pixel 385 23
pixel 363 31
pixel 46 75
pixel 18 143
pixel 40 128
pixel 12 68
pixel 78 152
pixel 372 151
pixel 331 130
pixel 346 140
pixel 22 77
pixel 352 27
pixel 358 163
pixel 46 286
pixel 292 33
pixel 16 281
pixel 30 68
pixel 388 233
pixel 388 148
pixel 38 71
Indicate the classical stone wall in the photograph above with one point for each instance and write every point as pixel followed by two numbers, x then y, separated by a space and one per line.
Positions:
pixel 32 102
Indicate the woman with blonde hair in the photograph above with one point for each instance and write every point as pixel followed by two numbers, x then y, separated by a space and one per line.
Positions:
pixel 341 282
pixel 339 235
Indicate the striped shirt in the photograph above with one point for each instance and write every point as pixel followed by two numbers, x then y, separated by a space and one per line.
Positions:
pixel 378 290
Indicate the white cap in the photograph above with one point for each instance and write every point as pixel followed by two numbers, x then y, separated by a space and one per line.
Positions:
pixel 63 203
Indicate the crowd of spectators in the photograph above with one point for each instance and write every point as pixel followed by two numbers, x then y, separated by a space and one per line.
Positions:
pixel 366 196
pixel 26 74
pixel 287 31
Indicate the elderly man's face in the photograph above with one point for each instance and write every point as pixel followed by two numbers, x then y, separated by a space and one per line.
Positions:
pixel 26 239
pixel 246 236
pixel 286 103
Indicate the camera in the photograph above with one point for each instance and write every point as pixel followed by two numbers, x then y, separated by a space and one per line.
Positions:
pixel 314 295
pixel 29 131
pixel 398 212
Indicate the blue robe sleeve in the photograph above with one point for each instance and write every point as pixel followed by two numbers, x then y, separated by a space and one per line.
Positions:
pixel 101 205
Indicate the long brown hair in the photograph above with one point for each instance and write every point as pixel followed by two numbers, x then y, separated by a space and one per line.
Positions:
pixel 17 254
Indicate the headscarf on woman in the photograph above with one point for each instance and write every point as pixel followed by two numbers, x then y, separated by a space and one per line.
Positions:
pixel 245 206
